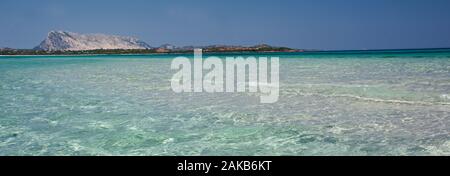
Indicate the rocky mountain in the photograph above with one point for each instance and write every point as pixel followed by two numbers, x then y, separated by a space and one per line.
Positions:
pixel 69 41
pixel 62 42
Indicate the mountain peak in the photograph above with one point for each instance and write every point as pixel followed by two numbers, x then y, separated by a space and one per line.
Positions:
pixel 70 41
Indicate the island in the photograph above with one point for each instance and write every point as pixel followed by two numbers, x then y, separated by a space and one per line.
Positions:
pixel 70 43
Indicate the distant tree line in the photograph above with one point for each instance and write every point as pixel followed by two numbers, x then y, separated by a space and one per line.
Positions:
pixel 144 51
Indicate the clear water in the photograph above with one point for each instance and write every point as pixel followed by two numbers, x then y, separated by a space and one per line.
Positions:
pixel 332 103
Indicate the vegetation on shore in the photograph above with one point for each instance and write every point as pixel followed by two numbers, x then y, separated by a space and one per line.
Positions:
pixel 211 49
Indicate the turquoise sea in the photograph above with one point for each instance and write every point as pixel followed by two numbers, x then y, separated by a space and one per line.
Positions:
pixel 393 102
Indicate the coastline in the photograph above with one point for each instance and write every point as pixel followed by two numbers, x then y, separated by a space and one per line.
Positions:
pixel 356 52
pixel 171 53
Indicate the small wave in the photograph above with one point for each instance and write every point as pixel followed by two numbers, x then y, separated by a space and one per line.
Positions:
pixel 392 101
pixel 375 99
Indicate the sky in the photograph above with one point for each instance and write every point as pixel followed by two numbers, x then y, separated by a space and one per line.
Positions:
pixel 303 24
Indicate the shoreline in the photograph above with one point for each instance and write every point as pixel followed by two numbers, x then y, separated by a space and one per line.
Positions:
pixel 174 53
pixel 356 52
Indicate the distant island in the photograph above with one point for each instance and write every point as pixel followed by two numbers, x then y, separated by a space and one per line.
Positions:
pixel 69 43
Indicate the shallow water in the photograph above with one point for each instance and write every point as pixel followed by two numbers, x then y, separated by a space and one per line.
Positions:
pixel 330 104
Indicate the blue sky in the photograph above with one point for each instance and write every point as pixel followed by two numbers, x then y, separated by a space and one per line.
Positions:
pixel 310 24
